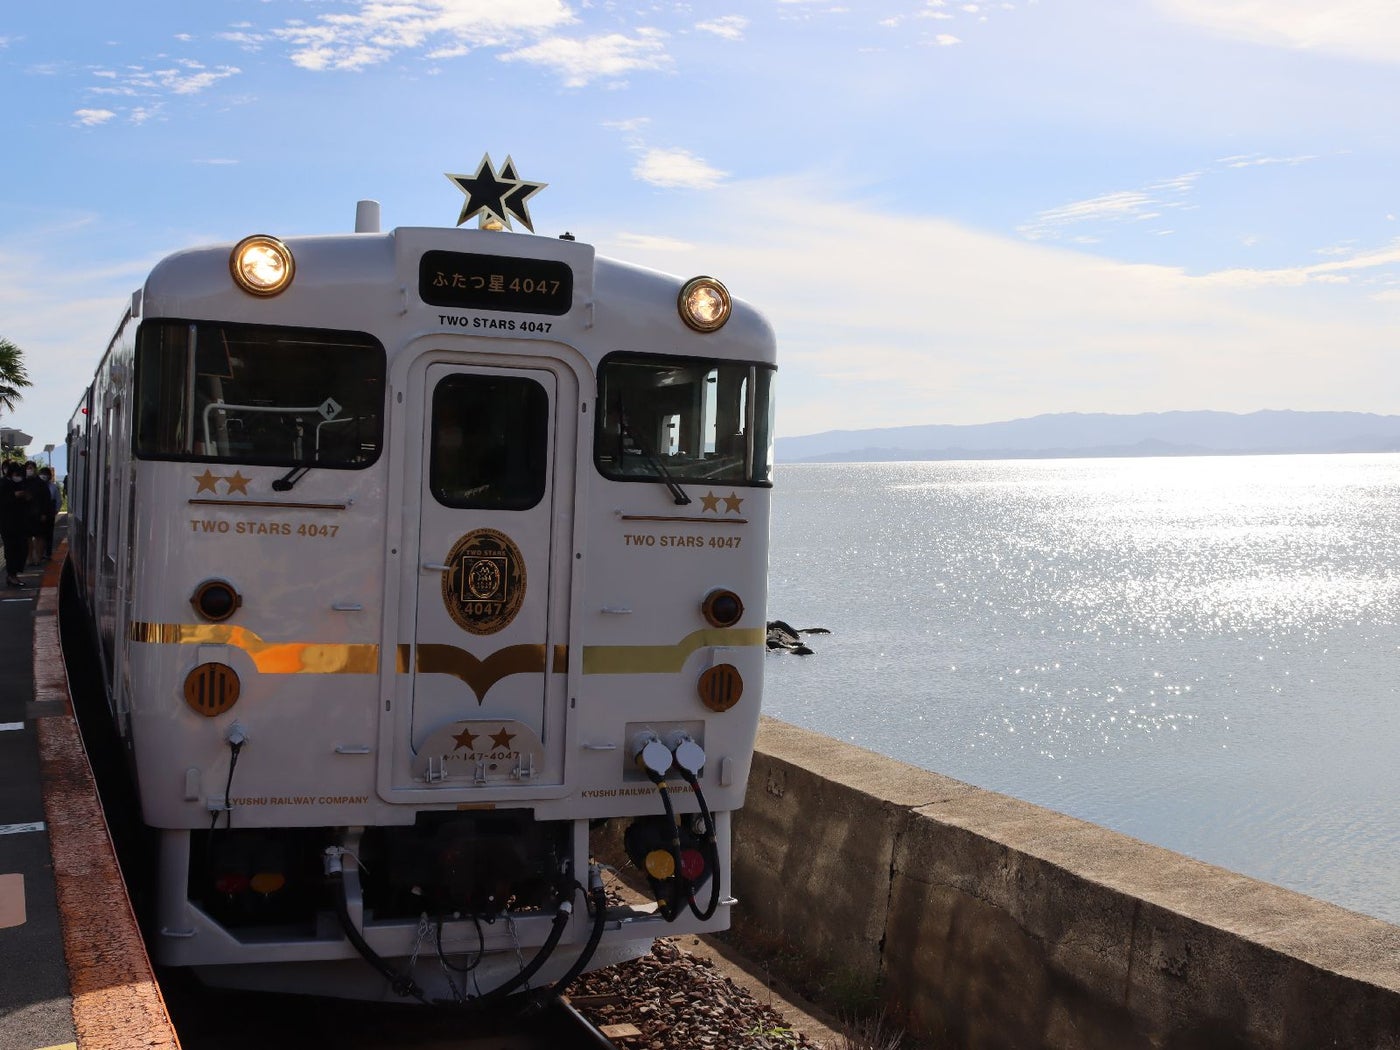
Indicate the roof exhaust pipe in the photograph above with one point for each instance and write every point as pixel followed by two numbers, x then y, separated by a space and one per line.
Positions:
pixel 366 216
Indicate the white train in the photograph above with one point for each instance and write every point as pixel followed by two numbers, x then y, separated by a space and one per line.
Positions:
pixel 414 558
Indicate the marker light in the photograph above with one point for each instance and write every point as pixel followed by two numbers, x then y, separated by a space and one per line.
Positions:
pixel 692 865
pixel 704 304
pixel 262 265
pixel 231 883
pixel 660 864
pixel 722 608
pixel 267 882
pixel 216 600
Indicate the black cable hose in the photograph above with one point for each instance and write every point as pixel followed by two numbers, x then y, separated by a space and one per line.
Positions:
pixel 556 931
pixel 402 984
pixel 600 903
pixel 228 787
pixel 711 847
pixel 671 909
pixel 480 947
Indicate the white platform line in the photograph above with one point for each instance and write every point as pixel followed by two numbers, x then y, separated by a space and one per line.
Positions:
pixel 10 727
pixel 17 829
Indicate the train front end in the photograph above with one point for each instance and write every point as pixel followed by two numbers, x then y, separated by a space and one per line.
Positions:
pixel 435 559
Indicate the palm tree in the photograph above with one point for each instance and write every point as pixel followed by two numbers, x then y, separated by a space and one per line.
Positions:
pixel 13 377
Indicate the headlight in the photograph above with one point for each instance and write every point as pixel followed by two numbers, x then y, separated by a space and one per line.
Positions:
pixel 704 304
pixel 262 265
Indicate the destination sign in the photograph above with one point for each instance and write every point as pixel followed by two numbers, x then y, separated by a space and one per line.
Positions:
pixel 495 282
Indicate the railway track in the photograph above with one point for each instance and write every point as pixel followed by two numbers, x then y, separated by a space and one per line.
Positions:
pixel 218 1019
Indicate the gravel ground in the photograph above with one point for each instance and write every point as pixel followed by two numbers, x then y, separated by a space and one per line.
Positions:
pixel 681 1001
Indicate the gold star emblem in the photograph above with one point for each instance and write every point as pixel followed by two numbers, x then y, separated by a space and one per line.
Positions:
pixel 502 739
pixel 237 483
pixel 732 502
pixel 208 482
pixel 710 501
pixel 466 738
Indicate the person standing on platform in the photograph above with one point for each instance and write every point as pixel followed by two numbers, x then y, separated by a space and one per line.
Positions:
pixel 14 522
pixel 55 503
pixel 39 515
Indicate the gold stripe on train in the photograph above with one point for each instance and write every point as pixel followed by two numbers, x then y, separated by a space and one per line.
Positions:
pixel 268 657
pixel 664 659
pixel 480 675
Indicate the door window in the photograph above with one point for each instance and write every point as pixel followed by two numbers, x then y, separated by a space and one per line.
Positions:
pixel 490 442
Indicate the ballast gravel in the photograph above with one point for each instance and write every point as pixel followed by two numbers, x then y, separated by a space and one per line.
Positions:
pixel 680 1001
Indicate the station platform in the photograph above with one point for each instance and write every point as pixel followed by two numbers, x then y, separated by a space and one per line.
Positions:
pixel 74 974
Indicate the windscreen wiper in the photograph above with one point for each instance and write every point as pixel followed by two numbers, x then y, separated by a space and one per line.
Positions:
pixel 287 480
pixel 651 457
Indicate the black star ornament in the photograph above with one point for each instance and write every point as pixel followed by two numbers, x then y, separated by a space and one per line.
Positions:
pixel 496 196
pixel 515 199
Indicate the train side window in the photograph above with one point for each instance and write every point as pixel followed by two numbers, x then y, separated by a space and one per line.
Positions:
pixel 258 394
pixel 490 442
pixel 701 420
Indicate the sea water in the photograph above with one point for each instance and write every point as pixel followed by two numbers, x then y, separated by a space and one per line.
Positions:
pixel 1203 653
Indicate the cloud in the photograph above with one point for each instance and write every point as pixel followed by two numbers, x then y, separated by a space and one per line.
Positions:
pixel 677 169
pixel 611 56
pixel 1256 161
pixel 185 77
pixel 730 27
pixel 1145 203
pixel 1117 207
pixel 1336 271
pixel 91 118
pixel 946 40
pixel 636 243
pixel 924 320
pixel 241 36
pixel 630 126
pixel 1366 29
pixel 376 31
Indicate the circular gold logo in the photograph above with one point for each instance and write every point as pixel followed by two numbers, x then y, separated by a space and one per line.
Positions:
pixel 485 582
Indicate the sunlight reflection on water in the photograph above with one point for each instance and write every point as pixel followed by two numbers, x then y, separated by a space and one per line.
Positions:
pixel 1197 652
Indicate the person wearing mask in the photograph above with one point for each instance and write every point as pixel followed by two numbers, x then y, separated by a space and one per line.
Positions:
pixel 39 515
pixel 55 502
pixel 14 521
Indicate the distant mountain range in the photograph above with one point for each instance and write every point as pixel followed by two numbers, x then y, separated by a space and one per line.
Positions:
pixel 1075 434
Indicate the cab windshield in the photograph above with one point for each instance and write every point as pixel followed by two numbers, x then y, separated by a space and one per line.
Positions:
pixel 258 394
pixel 677 419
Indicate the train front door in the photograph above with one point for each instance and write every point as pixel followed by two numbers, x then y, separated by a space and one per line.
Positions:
pixel 489 649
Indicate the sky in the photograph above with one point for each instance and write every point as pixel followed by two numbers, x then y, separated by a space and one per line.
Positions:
pixel 951 212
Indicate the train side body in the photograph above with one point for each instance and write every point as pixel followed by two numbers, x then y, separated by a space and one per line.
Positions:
pixel 384 604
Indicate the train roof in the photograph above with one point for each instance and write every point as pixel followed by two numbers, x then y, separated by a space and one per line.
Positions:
pixel 382 283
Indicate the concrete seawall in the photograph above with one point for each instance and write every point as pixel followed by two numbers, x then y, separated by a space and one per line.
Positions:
pixel 990 923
